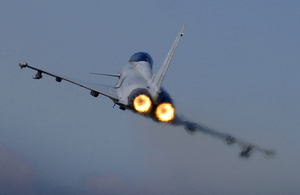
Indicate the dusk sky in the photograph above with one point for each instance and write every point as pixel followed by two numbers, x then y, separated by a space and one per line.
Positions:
pixel 236 70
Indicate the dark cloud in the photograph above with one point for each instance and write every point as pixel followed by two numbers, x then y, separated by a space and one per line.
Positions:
pixel 108 184
pixel 16 173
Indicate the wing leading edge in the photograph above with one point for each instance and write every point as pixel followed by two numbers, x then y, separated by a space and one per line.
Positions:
pixel 96 89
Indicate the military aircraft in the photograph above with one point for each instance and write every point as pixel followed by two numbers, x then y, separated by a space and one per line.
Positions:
pixel 138 89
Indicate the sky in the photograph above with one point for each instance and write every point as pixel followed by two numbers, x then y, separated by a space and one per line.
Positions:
pixel 236 70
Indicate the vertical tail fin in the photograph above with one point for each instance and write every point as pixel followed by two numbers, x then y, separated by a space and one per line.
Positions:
pixel 159 77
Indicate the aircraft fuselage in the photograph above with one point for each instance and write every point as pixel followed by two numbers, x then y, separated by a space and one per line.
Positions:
pixel 136 79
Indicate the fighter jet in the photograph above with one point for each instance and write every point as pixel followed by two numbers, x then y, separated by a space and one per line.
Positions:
pixel 138 89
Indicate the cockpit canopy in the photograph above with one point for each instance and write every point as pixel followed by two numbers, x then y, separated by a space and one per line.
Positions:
pixel 141 56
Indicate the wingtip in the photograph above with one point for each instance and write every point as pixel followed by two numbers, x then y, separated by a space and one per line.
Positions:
pixel 23 64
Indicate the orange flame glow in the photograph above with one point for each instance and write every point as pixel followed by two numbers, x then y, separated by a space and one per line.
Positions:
pixel 165 112
pixel 142 103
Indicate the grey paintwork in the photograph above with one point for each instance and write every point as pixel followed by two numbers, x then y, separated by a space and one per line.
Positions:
pixel 135 78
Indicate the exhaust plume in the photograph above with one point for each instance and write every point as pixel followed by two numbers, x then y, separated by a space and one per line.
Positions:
pixel 142 103
pixel 165 112
pixel 246 147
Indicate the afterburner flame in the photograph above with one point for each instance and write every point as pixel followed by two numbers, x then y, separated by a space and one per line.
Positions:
pixel 142 103
pixel 165 112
